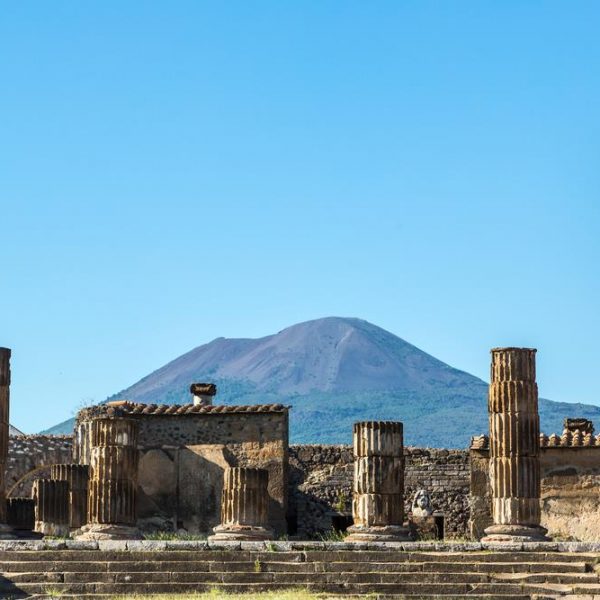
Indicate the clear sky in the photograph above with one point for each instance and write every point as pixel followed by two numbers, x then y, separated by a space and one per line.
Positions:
pixel 172 172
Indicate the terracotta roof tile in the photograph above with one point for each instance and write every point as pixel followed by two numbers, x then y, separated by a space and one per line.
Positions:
pixel 568 439
pixel 134 408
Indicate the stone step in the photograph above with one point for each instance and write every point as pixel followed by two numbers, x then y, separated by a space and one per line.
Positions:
pixel 418 589
pixel 295 578
pixel 300 556
pixel 272 565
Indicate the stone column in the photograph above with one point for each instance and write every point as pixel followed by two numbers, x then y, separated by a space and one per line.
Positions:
pixel 5 529
pixel 244 506
pixel 378 497
pixel 51 507
pixel 113 480
pixel 514 447
pixel 77 477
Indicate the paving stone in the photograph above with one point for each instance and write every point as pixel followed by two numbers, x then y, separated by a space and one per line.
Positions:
pixel 82 545
pixel 117 545
pixel 146 545
pixel 55 544
pixel 225 545
pixel 187 545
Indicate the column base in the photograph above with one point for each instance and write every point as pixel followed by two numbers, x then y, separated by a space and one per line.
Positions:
pixel 237 533
pixel 387 533
pixel 107 531
pixel 515 533
pixel 7 532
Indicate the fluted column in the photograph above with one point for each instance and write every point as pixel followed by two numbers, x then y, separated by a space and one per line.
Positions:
pixel 51 507
pixel 77 477
pixel 244 506
pixel 378 496
pixel 5 529
pixel 113 480
pixel 82 443
pixel 514 447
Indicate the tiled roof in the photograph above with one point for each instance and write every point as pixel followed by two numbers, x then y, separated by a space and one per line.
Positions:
pixel 134 408
pixel 568 439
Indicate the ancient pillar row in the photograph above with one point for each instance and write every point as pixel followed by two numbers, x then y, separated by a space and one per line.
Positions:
pixel 20 513
pixel 5 530
pixel 51 507
pixel 113 479
pixel 514 446
pixel 77 477
pixel 244 505
pixel 378 495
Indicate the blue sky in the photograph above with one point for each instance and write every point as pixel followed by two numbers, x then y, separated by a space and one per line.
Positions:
pixel 171 172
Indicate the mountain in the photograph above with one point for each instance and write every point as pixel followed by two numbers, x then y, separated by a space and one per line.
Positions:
pixel 333 372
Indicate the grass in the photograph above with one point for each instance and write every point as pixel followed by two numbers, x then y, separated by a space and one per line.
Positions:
pixel 333 535
pixel 53 592
pixel 292 594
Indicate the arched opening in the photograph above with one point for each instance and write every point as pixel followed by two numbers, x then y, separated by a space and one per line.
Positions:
pixel 22 487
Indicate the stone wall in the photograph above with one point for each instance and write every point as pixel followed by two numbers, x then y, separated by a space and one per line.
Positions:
pixel 321 486
pixel 30 456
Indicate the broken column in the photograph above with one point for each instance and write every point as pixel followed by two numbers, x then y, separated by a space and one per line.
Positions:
pixel 514 447
pixel 378 496
pixel 77 478
pixel 51 507
pixel 5 529
pixel 203 393
pixel 244 506
pixel 113 480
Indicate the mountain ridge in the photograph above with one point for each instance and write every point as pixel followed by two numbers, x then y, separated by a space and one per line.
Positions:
pixel 334 371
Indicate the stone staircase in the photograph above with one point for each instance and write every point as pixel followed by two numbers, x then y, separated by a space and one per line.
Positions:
pixel 113 570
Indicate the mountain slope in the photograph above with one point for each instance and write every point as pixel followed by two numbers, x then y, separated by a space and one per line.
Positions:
pixel 335 371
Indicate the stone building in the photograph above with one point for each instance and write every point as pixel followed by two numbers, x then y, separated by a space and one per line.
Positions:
pixel 184 450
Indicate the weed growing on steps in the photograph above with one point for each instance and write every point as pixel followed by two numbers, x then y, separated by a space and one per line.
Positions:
pixel 333 535
pixel 53 592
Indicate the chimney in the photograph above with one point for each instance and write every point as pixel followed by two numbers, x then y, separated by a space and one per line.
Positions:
pixel 203 393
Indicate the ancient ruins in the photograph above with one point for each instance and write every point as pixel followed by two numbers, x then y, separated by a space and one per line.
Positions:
pixel 226 474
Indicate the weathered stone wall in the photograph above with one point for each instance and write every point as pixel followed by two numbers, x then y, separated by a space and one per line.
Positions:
pixel 30 456
pixel 570 485
pixel 321 486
